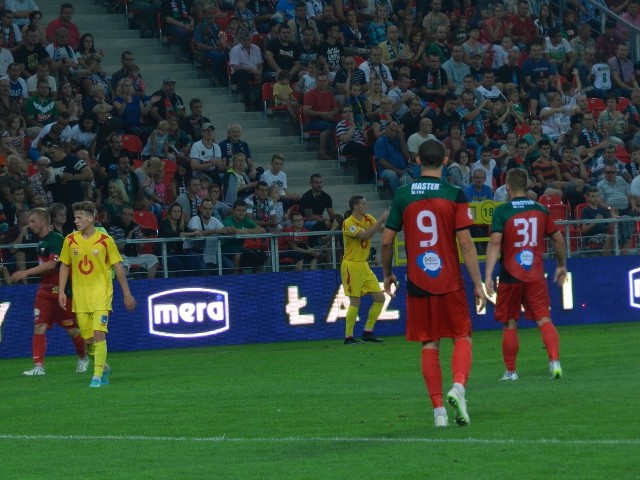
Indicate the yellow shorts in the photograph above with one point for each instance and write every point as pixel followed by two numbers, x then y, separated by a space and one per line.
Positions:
pixel 92 321
pixel 358 279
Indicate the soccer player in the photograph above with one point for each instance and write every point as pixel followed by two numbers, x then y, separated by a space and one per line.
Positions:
pixel 518 230
pixel 357 277
pixel 434 214
pixel 46 311
pixel 89 255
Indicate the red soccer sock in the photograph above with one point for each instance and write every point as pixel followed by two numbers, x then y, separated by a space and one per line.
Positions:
pixel 79 345
pixel 461 360
pixel 432 375
pixel 510 347
pixel 39 347
pixel 551 340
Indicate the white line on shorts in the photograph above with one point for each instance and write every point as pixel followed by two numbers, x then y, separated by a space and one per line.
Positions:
pixel 225 438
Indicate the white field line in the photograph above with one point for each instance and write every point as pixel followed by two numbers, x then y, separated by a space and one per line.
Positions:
pixel 224 439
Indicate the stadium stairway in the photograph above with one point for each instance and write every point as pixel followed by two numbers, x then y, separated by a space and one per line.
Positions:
pixel 265 135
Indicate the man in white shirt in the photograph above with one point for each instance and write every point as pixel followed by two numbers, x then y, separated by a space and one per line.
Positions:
pixel 375 68
pixel 209 227
pixel 418 138
pixel 487 164
pixel 456 70
pixel 205 155
pixel 21 10
pixel 42 73
pixel 246 63
pixel 63 56
pixel 488 88
pixel 401 95
pixel 276 176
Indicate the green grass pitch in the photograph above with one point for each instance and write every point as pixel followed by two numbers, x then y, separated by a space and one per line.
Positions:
pixel 322 410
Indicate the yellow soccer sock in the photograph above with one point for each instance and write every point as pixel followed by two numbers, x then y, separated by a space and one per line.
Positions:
pixel 91 349
pixel 372 317
pixel 352 316
pixel 100 358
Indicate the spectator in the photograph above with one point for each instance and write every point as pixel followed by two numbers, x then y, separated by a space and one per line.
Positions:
pixel 281 55
pixel 583 42
pixel 300 22
pixel 11 36
pixel 38 180
pixel 313 204
pixel 42 73
pixel 127 59
pixel 87 47
pixel 375 68
pixel 631 16
pixel 69 172
pixel 95 85
pixel 58 130
pixel 123 228
pixel 64 21
pixel 146 174
pixel 459 168
pixel 14 176
pixel 178 260
pixel 622 71
pixel 331 51
pixel 556 120
pixel 192 125
pixel 234 249
pixel 433 81
pixel 116 199
pixel 320 109
pixel 246 64
pixel 8 106
pixel 41 108
pixel 534 65
pixel 206 225
pixel 521 27
pixel 401 95
pixel 439 46
pixel 487 164
pixel 546 21
pixel 21 10
pixel 456 69
pixel 157 144
pixel 509 75
pixel 178 24
pixel 169 104
pixel 354 38
pixel 434 19
pixel 615 194
pixel 296 249
pixel 109 156
pixel 614 122
pixel 130 109
pixel 189 200
pixel 83 134
pixel 608 42
pixel 31 53
pixel 349 75
pixel 35 21
pixel 205 155
pixel 206 38
pixel 63 58
pixel 236 184
pixel 392 157
pixel 596 235
pixel 455 140
pixel 608 158
pixel 105 126
pixel 546 171
pixel 276 176
pixel 418 138
pixel 477 190
pixel 130 180
pixel 232 145
pixel 179 141
pixel 261 209
pixel 18 90
pixel 353 141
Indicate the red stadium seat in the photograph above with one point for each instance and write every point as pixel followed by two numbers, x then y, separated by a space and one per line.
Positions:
pixel 549 200
pixel 596 105
pixel 522 129
pixel 132 143
pixel 622 154
pixel 267 97
pixel 623 103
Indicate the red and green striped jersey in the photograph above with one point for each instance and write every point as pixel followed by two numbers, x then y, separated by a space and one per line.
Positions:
pixel 524 224
pixel 430 211
pixel 49 249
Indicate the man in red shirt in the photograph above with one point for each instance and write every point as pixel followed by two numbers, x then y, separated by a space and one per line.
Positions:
pixel 64 21
pixel 521 27
pixel 320 109
pixel 518 232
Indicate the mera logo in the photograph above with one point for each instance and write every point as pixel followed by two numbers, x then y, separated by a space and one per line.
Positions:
pixel 188 313
pixel 634 288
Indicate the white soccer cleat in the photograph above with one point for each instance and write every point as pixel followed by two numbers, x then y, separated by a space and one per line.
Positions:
pixel 35 371
pixel 441 421
pixel 83 365
pixel 458 402
pixel 555 370
pixel 509 376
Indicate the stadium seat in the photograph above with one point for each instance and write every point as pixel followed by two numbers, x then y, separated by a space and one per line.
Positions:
pixel 522 129
pixel 132 143
pixel 359 60
pixel 623 103
pixel 170 169
pixel 550 200
pixel 32 169
pixel 305 135
pixel 622 154
pixel 559 211
pixel 149 225
pixel 596 106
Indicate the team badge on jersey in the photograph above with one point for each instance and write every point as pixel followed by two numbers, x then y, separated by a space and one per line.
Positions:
pixel 525 259
pixel 430 263
pixel 95 253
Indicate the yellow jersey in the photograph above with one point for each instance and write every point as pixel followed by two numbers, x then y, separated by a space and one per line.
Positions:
pixel 90 261
pixel 356 249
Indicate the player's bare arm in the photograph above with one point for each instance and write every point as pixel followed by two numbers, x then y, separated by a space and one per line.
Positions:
pixel 493 253
pixel 129 301
pixel 470 256
pixel 386 247
pixel 63 276
pixel 560 274
pixel 38 270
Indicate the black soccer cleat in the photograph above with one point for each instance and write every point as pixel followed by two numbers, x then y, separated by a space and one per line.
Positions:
pixel 351 341
pixel 370 337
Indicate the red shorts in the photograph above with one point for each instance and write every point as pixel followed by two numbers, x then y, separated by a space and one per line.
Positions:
pixel 438 316
pixel 534 296
pixel 47 310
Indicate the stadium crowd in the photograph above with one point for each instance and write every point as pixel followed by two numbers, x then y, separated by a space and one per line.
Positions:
pixel 502 85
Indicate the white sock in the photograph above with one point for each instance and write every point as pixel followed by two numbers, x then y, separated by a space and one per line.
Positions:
pixel 440 411
pixel 459 387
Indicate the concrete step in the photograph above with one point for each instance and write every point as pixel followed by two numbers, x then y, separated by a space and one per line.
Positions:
pixel 298 182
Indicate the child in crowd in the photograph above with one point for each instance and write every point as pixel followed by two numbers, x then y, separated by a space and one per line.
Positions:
pixel 308 80
pixel 501 52
pixel 15 127
pixel 283 94
pixel 157 144
pixel 356 101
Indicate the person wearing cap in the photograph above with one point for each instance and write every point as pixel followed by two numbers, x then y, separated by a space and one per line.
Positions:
pixel 169 104
pixel 68 173
pixel 608 42
pixel 534 65
pixel 205 155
